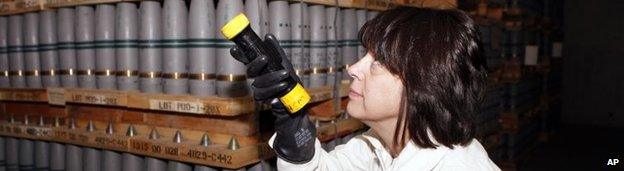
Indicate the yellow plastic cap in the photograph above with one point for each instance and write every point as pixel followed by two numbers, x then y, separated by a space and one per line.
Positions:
pixel 235 26
pixel 295 99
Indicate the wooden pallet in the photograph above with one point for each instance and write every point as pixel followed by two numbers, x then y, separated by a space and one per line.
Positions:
pixel 512 122
pixel 221 119
pixel 341 127
pixel 216 106
pixel 189 150
pixel 327 110
pixel 545 136
pixel 24 95
pixel 513 71
pixel 20 6
pixel 71 3
pixel 24 6
pixel 495 77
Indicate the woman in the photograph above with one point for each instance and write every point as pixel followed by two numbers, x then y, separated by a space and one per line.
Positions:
pixel 418 89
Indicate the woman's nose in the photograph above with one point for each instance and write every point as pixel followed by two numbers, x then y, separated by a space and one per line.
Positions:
pixel 353 70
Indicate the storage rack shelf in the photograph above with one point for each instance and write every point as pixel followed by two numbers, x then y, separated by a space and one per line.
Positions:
pixel 23 6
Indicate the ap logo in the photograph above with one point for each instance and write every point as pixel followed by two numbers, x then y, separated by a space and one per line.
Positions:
pixel 612 162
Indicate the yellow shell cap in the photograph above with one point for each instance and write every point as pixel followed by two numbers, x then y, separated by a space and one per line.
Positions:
pixel 235 26
pixel 295 99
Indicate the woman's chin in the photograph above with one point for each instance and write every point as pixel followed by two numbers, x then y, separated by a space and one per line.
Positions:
pixel 352 112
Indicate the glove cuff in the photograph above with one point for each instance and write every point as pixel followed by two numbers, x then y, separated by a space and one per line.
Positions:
pixel 295 138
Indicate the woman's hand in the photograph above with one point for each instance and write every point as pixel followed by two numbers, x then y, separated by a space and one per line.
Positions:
pixel 272 84
pixel 295 134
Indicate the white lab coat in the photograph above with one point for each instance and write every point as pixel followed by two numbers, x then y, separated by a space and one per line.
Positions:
pixel 365 152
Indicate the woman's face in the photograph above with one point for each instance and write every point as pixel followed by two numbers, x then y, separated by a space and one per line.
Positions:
pixel 375 93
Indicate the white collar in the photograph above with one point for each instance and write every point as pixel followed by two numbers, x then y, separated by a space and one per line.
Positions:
pixel 427 158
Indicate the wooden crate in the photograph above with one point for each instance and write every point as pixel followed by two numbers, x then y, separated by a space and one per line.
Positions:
pixel 20 6
pixel 24 6
pixel 341 127
pixel 511 122
pixel 221 119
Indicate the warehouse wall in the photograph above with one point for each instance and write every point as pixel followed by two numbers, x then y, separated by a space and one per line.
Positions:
pixel 593 76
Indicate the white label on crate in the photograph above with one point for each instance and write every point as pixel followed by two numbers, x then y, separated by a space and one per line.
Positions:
pixel 557 49
pixel 56 96
pixel 94 99
pixel 530 55
pixel 177 106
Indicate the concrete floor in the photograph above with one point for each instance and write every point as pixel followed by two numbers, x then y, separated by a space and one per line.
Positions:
pixel 578 147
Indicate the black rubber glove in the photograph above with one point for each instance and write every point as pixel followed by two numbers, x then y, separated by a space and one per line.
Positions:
pixel 295 133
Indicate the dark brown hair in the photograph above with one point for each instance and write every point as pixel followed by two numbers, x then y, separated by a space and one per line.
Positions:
pixel 436 54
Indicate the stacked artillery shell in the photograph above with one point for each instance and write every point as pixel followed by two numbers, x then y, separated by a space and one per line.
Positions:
pixel 201 49
pixel 127 46
pixel 253 11
pixel 73 153
pixel 26 153
pixel 175 165
pixel 150 59
pixel 41 152
pixel 92 157
pixel 231 78
pixel 298 18
pixel 261 166
pixel 131 162
pixel 155 164
pixel 57 152
pixel 105 46
pixel 111 160
pixel 174 74
pixel 2 154
pixel 65 45
pixel 332 143
pixel 333 50
pixel 57 156
pixel 264 17
pixel 205 141
pixel 15 51
pixel 349 40
pixel 31 54
pixel 47 49
pixel 318 46
pixel 240 169
pixel 4 56
pixel 515 44
pixel 342 72
pixel 279 24
pixel 85 50
pixel 361 19
pixel 305 62
pixel 371 14
pixel 12 154
pixel 234 145
pixel 204 168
